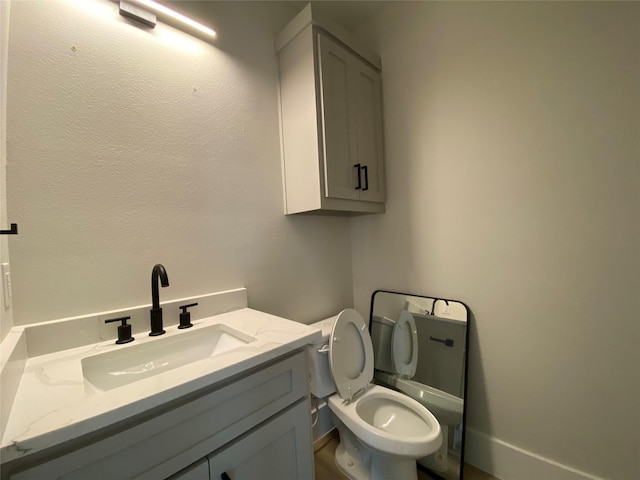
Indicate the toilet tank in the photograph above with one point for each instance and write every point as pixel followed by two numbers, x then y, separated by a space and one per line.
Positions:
pixel 381 335
pixel 320 380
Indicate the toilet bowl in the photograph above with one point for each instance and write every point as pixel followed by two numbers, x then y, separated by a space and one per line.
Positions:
pixel 382 432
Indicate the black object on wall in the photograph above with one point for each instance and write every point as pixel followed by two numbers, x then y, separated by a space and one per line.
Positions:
pixel 12 231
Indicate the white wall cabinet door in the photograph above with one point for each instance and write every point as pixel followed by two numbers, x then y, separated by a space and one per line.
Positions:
pixel 339 125
pixel 280 448
pixel 351 99
pixel 368 113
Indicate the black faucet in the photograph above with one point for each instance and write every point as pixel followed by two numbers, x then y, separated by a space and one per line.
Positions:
pixel 158 273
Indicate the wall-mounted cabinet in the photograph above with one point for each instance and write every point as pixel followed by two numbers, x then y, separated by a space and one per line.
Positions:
pixel 330 119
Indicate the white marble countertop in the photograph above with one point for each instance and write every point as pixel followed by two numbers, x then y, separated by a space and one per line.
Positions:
pixel 54 403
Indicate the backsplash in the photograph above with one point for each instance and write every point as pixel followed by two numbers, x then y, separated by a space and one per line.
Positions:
pixel 62 334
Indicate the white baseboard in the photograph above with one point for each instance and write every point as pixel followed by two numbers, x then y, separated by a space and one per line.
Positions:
pixel 508 462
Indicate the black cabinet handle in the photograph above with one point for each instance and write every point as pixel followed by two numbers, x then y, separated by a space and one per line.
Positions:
pixel 366 177
pixel 357 165
pixel 225 476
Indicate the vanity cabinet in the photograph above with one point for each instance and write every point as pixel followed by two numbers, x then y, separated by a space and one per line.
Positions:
pixel 330 119
pixel 258 421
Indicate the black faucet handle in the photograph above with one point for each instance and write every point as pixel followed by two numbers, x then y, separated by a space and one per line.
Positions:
pixel 124 330
pixel 185 316
pixel 184 307
pixel 121 319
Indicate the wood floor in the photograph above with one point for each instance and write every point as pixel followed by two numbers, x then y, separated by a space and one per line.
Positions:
pixel 326 468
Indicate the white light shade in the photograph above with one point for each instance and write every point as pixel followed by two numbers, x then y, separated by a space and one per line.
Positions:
pixel 161 9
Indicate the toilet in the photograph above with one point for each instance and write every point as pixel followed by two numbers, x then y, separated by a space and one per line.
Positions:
pixel 396 346
pixel 382 432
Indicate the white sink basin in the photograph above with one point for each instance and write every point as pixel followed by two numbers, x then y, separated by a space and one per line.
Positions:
pixel 137 361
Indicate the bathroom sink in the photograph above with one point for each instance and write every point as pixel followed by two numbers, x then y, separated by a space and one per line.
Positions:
pixel 138 361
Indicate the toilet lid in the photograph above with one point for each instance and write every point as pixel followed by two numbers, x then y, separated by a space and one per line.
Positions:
pixel 404 345
pixel 350 354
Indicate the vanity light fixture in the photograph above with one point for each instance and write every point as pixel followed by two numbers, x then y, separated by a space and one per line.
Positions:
pixel 128 8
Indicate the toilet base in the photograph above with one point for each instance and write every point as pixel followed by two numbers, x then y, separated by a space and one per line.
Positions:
pixel 351 465
pixel 359 462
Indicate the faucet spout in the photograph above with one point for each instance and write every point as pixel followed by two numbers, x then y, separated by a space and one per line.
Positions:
pixel 158 275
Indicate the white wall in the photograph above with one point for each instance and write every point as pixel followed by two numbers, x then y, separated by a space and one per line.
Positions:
pixel 513 166
pixel 6 310
pixel 130 147
pixel 512 163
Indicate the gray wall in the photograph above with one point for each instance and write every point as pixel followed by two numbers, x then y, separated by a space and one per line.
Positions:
pixel 513 170
pixel 130 147
pixel 513 166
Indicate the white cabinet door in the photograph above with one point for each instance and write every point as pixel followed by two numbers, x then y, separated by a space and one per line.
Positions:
pixel 340 149
pixel 279 449
pixel 351 99
pixel 368 114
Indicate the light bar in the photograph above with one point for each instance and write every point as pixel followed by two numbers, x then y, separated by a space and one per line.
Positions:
pixel 158 8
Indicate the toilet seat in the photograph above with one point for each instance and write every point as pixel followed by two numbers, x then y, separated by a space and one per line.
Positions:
pixel 404 345
pixel 350 354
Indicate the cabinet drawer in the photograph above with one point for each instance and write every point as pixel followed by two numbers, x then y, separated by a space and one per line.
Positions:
pixel 176 438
